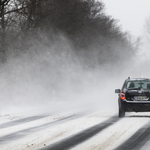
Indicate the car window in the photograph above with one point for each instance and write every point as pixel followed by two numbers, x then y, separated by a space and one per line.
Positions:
pixel 138 84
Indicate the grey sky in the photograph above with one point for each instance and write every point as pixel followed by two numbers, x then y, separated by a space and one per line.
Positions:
pixel 131 13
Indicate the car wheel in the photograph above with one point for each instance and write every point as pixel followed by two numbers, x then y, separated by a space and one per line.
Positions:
pixel 121 113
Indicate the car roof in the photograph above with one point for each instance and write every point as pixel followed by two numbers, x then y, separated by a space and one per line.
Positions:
pixel 138 79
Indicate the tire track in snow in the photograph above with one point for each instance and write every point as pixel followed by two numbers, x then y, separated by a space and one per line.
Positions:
pixel 20 121
pixel 81 136
pixel 22 133
pixel 137 140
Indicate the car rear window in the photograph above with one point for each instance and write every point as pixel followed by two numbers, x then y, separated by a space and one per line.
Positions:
pixel 138 84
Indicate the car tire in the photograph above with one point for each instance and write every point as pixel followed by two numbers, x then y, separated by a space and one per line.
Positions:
pixel 121 113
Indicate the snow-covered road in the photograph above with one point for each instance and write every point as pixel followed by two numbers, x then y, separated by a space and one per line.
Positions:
pixel 76 131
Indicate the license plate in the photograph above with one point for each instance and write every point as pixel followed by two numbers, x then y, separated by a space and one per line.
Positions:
pixel 140 98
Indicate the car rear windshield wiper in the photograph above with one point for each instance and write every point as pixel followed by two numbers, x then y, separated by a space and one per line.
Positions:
pixel 133 88
pixel 139 88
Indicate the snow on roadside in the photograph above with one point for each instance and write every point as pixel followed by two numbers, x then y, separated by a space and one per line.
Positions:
pixel 7 117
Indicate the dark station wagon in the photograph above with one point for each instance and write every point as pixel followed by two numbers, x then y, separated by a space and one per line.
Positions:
pixel 134 96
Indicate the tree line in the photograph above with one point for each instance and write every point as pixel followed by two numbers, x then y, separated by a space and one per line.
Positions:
pixel 83 22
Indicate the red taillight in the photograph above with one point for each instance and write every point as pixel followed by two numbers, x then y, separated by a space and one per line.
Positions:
pixel 122 95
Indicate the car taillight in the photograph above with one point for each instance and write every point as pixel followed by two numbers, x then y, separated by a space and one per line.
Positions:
pixel 122 95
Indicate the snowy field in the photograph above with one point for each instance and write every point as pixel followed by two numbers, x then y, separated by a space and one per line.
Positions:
pixel 82 130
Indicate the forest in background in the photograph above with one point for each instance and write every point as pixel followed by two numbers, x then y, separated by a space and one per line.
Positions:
pixel 92 33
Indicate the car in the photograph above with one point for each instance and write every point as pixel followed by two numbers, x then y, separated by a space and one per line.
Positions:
pixel 134 96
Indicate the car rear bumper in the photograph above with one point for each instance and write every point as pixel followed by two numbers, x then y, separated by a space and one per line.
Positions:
pixel 136 106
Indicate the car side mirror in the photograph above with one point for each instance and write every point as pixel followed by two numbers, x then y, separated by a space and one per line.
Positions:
pixel 117 90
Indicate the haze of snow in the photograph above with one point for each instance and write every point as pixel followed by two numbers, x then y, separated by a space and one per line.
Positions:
pixel 44 76
pixel 50 77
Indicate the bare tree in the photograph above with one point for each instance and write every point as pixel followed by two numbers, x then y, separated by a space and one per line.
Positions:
pixel 3 47
pixel 9 23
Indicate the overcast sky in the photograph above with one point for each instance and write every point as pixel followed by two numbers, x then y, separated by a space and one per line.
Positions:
pixel 131 13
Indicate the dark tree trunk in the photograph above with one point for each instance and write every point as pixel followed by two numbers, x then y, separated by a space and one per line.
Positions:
pixel 3 32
